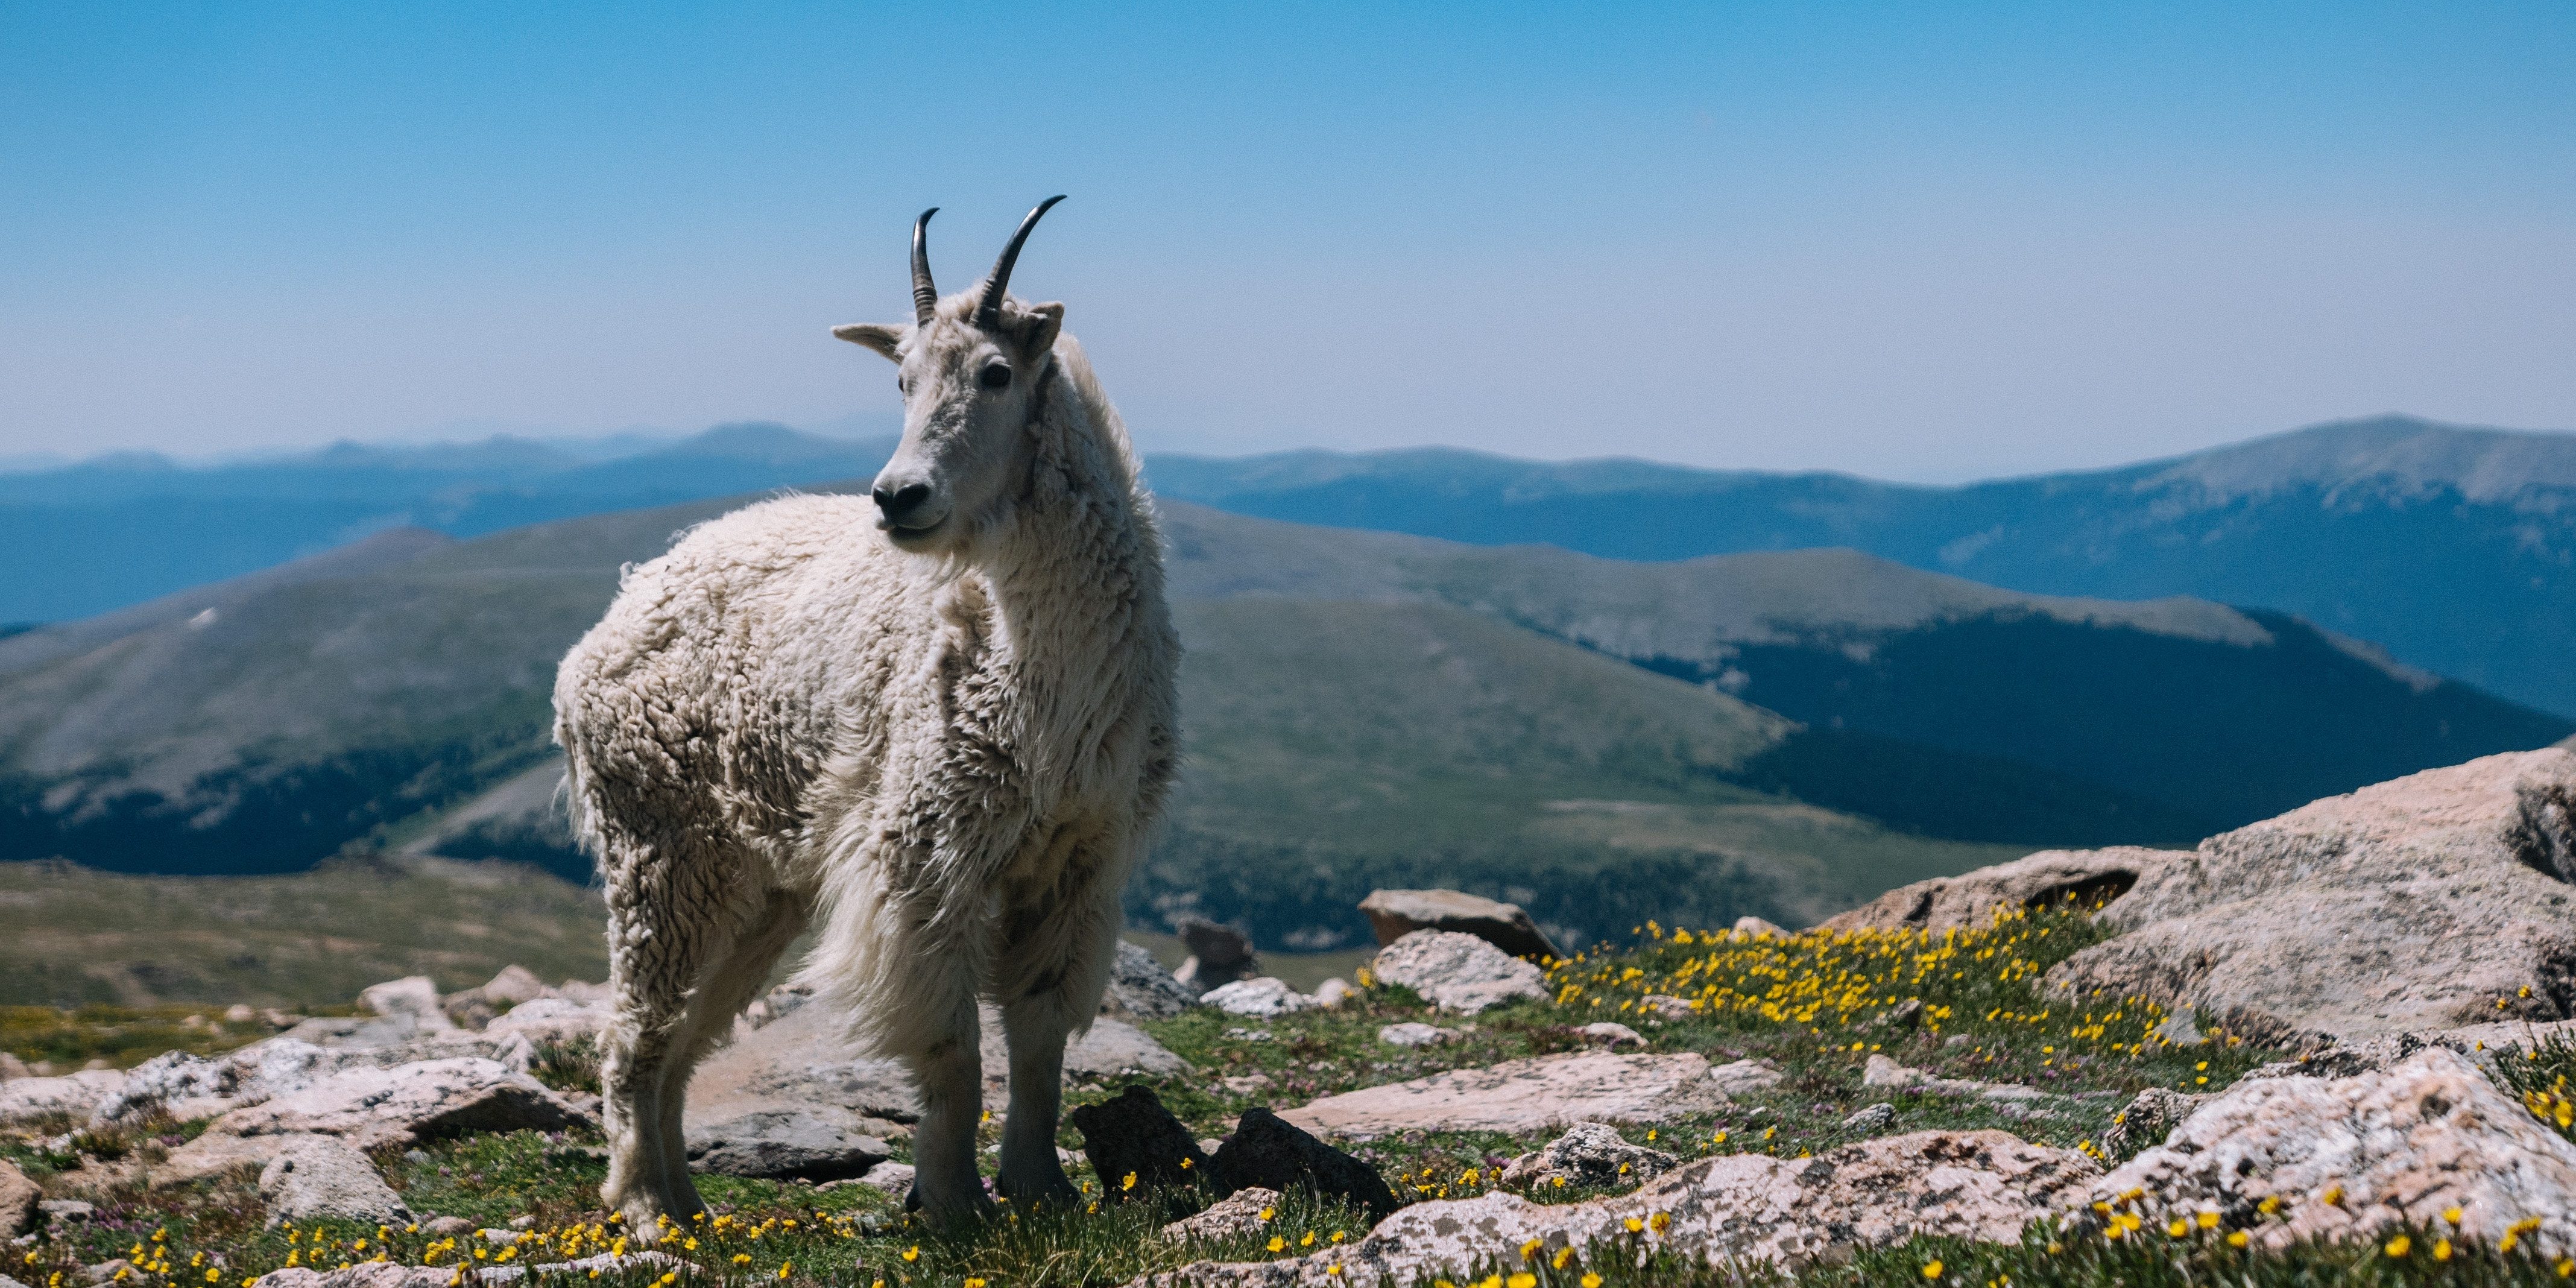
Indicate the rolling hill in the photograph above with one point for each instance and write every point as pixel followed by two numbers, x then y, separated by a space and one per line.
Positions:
pixel 1780 734
pixel 2454 548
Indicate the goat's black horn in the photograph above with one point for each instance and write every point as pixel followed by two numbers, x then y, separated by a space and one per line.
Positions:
pixel 989 312
pixel 925 297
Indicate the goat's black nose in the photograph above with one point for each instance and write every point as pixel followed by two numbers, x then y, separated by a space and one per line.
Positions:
pixel 896 503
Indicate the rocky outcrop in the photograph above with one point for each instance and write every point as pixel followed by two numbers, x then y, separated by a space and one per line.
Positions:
pixel 325 1178
pixel 2346 1157
pixel 1969 901
pixel 1739 1208
pixel 1393 914
pixel 1542 1093
pixel 1457 972
pixel 1588 1154
pixel 2414 904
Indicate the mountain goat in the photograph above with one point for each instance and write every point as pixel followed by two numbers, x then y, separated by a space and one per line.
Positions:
pixel 943 741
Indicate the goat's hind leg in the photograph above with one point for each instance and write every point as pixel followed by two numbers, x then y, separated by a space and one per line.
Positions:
pixel 675 929
pixel 743 952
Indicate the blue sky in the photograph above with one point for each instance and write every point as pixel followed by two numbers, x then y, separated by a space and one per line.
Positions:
pixel 1916 241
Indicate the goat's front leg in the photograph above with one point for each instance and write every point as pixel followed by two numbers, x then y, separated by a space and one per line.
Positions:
pixel 950 1073
pixel 1035 1029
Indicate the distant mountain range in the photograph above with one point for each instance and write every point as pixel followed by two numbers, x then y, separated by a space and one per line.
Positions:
pixel 103 534
pixel 2453 548
pixel 2450 547
pixel 1598 739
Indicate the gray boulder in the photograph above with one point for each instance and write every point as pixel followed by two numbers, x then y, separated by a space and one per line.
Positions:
pixel 413 997
pixel 1589 1154
pixel 1457 972
pixel 1393 914
pixel 549 1019
pixel 1140 989
pixel 1261 995
pixel 2414 904
pixel 1235 1214
pixel 1410 1034
pixel 324 1178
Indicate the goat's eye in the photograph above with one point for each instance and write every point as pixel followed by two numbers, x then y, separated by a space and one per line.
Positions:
pixel 996 376
pixel 903 385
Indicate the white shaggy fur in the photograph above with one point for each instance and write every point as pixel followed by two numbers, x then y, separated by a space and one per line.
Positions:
pixel 944 744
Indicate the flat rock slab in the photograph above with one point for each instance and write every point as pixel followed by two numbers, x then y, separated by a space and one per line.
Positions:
pixel 1984 1185
pixel 326 1178
pixel 802 1061
pixel 407 1104
pixel 2408 905
pixel 2403 1144
pixel 784 1144
pixel 1882 1073
pixel 1542 1093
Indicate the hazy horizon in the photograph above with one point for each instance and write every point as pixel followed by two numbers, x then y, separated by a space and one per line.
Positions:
pixel 1917 244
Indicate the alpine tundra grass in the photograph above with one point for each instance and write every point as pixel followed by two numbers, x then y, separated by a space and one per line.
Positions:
pixel 1966 1004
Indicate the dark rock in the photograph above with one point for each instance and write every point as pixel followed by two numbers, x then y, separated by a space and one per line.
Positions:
pixel 1393 914
pixel 1218 954
pixel 1267 1151
pixel 783 1145
pixel 1134 1134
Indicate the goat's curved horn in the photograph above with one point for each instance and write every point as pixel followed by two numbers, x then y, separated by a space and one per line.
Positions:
pixel 990 311
pixel 925 297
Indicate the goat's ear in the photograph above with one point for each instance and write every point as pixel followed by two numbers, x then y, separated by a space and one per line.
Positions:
pixel 1037 335
pixel 883 339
